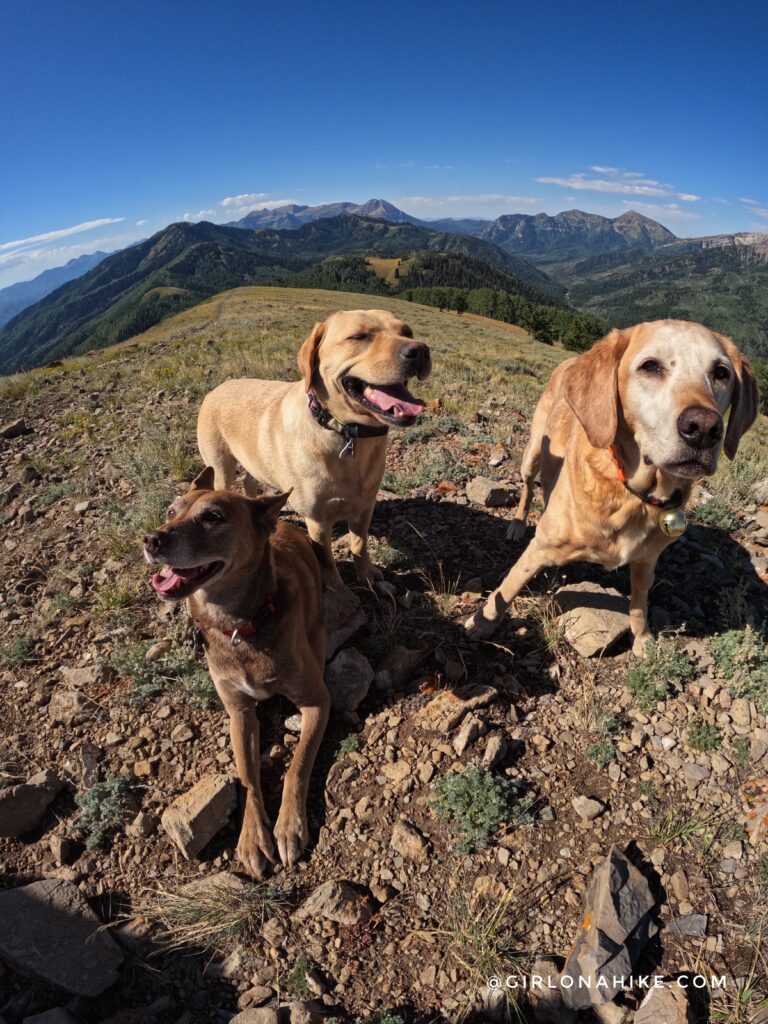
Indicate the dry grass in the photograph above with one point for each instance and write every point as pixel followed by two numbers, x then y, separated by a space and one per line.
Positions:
pixel 211 918
pixel 482 936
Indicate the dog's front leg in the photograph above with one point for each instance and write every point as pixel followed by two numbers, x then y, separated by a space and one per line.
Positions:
pixel 320 534
pixel 255 848
pixel 291 831
pixel 641 575
pixel 365 570
pixel 482 624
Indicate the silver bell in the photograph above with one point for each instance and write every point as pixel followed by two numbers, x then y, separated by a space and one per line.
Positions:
pixel 672 523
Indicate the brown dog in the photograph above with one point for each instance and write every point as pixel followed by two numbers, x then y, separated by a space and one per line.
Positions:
pixel 618 437
pixel 253 588
pixel 323 438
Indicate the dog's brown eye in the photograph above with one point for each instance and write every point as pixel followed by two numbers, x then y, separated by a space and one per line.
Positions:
pixel 361 336
pixel 212 517
pixel 651 366
pixel 721 373
pixel 170 513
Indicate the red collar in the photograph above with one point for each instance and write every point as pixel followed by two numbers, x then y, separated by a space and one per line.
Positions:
pixel 237 635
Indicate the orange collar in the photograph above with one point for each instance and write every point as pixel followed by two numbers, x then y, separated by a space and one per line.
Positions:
pixel 674 501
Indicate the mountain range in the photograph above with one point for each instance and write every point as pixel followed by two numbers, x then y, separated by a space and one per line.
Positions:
pixel 19 296
pixel 621 270
pixel 185 263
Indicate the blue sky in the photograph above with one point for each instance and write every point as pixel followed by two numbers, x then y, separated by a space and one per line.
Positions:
pixel 119 116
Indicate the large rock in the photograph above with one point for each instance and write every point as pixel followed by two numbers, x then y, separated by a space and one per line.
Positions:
pixel 15 428
pixel 343 617
pixel 23 807
pixel 667 1005
pixel 616 924
pixel 343 902
pixel 395 668
pixel 50 932
pixel 70 707
pixel 194 818
pixel 484 491
pixel 408 841
pixel 348 678
pixel 297 1012
pixel 593 617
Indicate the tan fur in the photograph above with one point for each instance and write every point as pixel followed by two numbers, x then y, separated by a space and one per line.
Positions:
pixel 266 427
pixel 606 397
pixel 263 559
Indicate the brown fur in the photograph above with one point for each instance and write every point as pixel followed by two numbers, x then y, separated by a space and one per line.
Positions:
pixel 609 397
pixel 264 559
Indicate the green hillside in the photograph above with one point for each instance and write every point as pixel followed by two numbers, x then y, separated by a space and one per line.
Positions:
pixel 726 288
pixel 186 263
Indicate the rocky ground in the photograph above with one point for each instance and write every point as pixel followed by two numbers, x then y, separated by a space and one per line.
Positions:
pixel 393 914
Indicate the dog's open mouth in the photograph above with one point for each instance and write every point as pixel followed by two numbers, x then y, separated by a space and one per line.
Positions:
pixel 172 584
pixel 391 402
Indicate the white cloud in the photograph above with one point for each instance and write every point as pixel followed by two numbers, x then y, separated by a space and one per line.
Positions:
pixel 140 222
pixel 51 236
pixel 200 215
pixel 244 199
pixel 618 182
pixel 23 264
pixel 749 202
pixel 666 211
pixel 759 211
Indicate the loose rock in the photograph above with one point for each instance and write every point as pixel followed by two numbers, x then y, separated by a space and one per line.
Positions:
pixel 593 617
pixel 343 902
pixel 194 818
pixel 408 841
pixel 51 933
pixel 616 924
pixel 348 678
pixel 666 1005
pixel 484 491
pixel 343 617
pixel 23 807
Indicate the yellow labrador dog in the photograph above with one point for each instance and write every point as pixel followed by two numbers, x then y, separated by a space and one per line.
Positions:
pixel 618 438
pixel 323 438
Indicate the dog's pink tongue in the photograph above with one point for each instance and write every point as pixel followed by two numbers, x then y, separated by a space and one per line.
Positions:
pixel 394 399
pixel 165 581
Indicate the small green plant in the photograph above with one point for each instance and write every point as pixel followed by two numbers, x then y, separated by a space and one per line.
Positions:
pixel 741 751
pixel 716 512
pixel 53 494
pixel 213 917
pixel 178 669
pixel 17 651
pixel 103 810
pixel 115 596
pixel 741 658
pixel 296 981
pixel 601 753
pixel 702 736
pixel 607 723
pixel 663 666
pixel 667 828
pixel 349 745
pixel 474 803
pixel 647 790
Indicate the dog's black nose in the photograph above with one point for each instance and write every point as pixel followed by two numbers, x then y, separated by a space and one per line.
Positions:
pixel 699 427
pixel 415 355
pixel 152 541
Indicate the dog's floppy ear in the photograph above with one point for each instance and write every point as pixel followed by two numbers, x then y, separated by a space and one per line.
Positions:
pixel 266 508
pixel 591 388
pixel 307 357
pixel 745 402
pixel 203 481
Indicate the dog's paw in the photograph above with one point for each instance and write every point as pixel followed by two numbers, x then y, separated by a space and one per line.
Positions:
pixel 291 835
pixel 369 575
pixel 478 627
pixel 385 588
pixel 256 851
pixel 640 644
pixel 516 530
